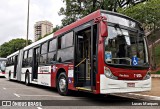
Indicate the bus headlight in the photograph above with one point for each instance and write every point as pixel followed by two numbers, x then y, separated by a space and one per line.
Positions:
pixel 148 75
pixel 108 73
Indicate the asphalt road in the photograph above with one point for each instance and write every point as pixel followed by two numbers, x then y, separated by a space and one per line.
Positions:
pixel 40 97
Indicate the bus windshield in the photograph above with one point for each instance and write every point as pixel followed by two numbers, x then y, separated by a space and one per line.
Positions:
pixel 2 66
pixel 125 47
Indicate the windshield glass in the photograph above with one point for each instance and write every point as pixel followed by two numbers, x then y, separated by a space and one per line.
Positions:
pixel 2 66
pixel 122 21
pixel 125 47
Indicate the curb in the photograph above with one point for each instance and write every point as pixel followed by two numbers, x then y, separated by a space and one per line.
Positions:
pixel 155 75
pixel 137 96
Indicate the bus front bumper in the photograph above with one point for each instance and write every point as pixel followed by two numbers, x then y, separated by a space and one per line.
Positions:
pixel 108 85
pixel 2 74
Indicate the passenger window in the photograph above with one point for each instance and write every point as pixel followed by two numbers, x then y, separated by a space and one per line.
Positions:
pixel 68 39
pixel 43 56
pixel 65 41
pixel 52 51
pixel 65 52
pixel 52 45
pixel 51 57
pixel 44 48
pixel 25 56
pixel 30 53
pixel 65 55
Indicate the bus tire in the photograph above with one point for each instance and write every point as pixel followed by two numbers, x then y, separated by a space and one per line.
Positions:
pixel 27 81
pixel 62 84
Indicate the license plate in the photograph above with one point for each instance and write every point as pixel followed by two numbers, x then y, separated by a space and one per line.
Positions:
pixel 130 84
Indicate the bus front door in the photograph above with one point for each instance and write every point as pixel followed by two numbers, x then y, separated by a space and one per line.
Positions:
pixel 84 76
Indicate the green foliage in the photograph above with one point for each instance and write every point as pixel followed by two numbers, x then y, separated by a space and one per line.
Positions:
pixel 12 46
pixel 76 9
pixel 39 38
pixel 158 72
pixel 157 54
pixel 147 13
pixel 56 28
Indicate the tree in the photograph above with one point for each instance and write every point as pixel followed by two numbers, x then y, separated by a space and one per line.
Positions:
pixel 148 13
pixel 76 9
pixel 56 28
pixel 12 46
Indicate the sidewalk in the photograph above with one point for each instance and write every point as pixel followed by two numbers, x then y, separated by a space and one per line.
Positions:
pixel 155 75
pixel 153 94
pixel 155 90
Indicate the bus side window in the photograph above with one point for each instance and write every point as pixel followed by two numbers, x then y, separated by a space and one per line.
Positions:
pixel 30 53
pixel 24 62
pixel 52 51
pixel 43 55
pixel 65 48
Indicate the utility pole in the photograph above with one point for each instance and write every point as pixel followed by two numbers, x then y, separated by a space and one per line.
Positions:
pixel 27 23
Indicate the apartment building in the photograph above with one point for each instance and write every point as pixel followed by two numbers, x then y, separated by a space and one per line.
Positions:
pixel 42 28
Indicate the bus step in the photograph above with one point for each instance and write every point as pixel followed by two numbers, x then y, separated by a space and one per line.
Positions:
pixel 84 88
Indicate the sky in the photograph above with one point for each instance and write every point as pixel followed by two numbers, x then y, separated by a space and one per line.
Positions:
pixel 13 17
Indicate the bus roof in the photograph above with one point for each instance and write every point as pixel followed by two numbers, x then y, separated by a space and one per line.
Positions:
pixel 33 44
pixel 89 18
pixel 39 41
pixel 78 22
pixel 119 14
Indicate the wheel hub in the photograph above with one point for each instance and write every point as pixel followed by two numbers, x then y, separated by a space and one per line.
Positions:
pixel 62 84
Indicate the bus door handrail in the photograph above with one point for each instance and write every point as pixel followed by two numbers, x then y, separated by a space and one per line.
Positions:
pixel 81 62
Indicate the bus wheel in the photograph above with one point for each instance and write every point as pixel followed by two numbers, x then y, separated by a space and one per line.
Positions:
pixel 62 84
pixel 27 82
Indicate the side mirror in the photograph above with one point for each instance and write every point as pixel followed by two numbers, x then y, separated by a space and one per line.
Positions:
pixel 103 29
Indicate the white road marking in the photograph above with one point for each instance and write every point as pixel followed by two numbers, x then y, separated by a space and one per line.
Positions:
pixel 56 96
pixel 19 88
pixel 148 96
pixel 39 95
pixel 39 108
pixel 4 88
pixel 17 95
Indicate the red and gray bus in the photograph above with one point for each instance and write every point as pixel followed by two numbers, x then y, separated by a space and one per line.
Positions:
pixel 104 52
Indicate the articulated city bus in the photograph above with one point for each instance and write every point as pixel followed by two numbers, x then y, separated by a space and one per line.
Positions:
pixel 2 66
pixel 104 52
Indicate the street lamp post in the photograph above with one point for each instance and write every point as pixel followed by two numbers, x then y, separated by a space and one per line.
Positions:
pixel 27 23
